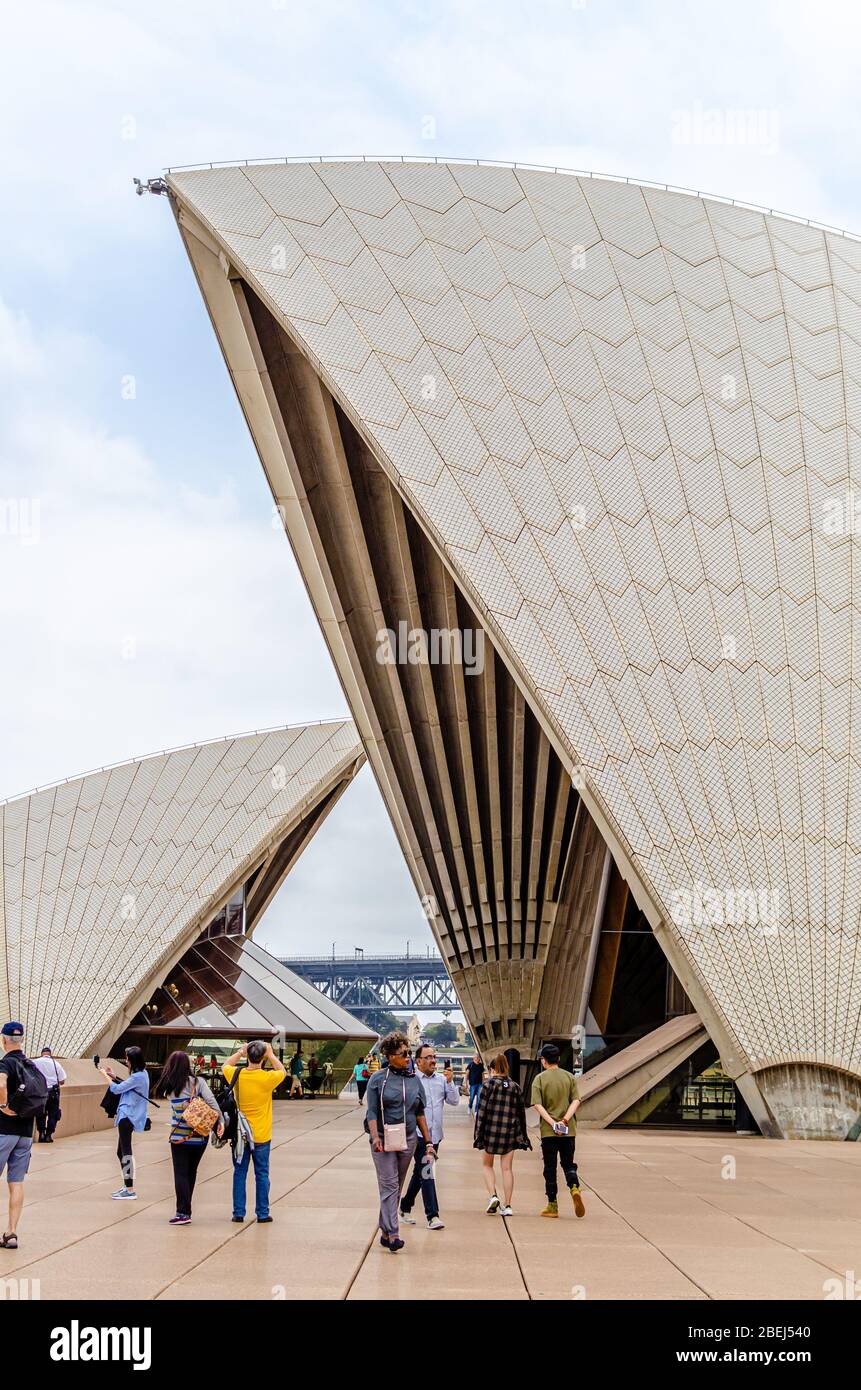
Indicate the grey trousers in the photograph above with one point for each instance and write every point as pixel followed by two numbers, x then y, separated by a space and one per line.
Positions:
pixel 392 1169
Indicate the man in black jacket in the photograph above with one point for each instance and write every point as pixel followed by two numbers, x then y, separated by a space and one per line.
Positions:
pixel 474 1077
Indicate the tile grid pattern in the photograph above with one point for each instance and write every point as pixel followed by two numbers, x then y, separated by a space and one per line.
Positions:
pixel 103 876
pixel 624 414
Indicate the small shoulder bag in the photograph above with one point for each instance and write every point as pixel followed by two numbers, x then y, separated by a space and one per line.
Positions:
pixel 394 1136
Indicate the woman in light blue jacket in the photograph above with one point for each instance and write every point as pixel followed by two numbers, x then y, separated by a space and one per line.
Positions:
pixel 130 1117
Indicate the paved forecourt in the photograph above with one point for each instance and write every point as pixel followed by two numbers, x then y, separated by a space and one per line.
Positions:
pixel 665 1219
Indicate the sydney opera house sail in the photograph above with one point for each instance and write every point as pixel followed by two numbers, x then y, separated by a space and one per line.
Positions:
pixel 108 879
pixel 606 435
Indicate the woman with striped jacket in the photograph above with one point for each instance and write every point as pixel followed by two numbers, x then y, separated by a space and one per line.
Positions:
pixel 186 1147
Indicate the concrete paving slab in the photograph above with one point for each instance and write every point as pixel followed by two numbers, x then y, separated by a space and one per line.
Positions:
pixel 661 1221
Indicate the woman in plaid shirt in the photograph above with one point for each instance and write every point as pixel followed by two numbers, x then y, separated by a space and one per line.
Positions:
pixel 500 1129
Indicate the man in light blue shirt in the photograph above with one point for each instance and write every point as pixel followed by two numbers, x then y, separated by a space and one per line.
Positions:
pixel 439 1091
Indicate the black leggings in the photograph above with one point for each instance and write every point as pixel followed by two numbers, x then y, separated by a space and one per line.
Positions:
pixel 186 1161
pixel 125 1130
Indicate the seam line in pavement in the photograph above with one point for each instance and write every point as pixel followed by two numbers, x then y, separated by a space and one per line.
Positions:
pixel 146 1206
pixel 734 1216
pixel 768 1236
pixel 526 1287
pixel 683 1272
pixel 235 1235
pixel 361 1264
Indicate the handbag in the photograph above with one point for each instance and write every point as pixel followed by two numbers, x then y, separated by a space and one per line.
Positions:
pixel 200 1117
pixel 394 1136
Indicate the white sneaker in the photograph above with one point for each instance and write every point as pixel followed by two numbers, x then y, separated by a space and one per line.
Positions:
pixel 506 1211
pixel 407 1217
pixel 435 1224
pixel 493 1205
pixel 123 1195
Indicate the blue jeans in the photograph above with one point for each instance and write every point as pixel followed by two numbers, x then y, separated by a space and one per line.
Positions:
pixel 418 1182
pixel 260 1154
pixel 474 1092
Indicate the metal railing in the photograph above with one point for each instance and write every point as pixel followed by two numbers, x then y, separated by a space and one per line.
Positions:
pixel 514 164
pixel 429 956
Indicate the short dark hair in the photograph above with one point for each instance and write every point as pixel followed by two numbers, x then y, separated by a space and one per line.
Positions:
pixel 420 1049
pixel 46 1049
pixel 393 1042
pixel 550 1052
pixel 256 1051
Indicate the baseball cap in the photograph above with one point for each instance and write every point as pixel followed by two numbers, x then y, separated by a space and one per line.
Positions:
pixel 12 1030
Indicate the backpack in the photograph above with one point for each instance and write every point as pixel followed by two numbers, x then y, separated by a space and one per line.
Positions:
pixel 229 1114
pixel 365 1074
pixel 30 1096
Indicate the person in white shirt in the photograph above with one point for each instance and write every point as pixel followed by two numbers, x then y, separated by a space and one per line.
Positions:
pixel 55 1077
pixel 439 1091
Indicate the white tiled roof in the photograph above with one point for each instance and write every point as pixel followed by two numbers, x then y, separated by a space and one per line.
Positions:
pixel 683 376
pixel 105 876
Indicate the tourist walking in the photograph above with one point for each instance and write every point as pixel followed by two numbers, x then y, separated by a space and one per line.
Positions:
pixel 394 1120
pixel 187 1144
pixel 557 1100
pixel 22 1097
pixel 500 1130
pixel 439 1091
pixel 474 1078
pixel 253 1092
pixel 361 1075
pixel 297 1066
pixel 55 1078
pixel 131 1116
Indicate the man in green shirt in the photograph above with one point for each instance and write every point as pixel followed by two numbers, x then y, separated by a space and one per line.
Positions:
pixel 555 1097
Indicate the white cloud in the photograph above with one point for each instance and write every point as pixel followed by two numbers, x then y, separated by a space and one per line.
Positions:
pixel 142 612
pixel 138 611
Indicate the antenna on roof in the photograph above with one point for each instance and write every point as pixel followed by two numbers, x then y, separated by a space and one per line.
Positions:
pixel 150 186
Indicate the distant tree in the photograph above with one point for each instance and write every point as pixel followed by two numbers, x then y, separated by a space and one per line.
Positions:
pixel 443 1033
pixel 383 1022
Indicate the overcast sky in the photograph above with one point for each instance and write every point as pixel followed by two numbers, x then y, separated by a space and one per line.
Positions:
pixel 152 602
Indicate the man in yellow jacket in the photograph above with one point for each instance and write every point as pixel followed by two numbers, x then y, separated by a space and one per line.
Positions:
pixel 253 1091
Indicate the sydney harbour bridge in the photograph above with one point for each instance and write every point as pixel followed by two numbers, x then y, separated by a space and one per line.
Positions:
pixel 369 985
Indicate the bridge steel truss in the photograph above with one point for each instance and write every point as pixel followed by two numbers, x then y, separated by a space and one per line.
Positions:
pixel 399 984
